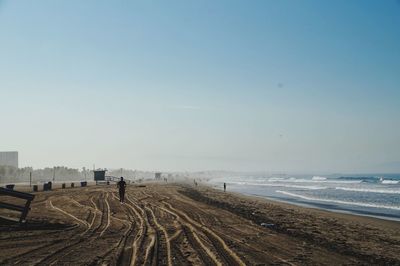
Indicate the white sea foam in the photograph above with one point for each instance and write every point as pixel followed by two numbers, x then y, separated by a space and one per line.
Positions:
pixel 277 185
pixel 302 180
pixel 272 179
pixel 298 186
pixel 361 204
pixel 390 181
pixel 319 178
pixel 384 191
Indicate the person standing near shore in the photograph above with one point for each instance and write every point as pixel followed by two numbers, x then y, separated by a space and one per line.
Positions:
pixel 121 186
pixel 224 187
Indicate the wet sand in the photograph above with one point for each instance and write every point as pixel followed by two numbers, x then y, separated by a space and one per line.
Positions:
pixel 171 224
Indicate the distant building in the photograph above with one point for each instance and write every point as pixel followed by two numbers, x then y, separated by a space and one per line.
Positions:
pixel 9 158
pixel 158 176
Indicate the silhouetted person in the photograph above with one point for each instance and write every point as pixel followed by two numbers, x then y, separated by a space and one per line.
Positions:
pixel 121 186
pixel 224 187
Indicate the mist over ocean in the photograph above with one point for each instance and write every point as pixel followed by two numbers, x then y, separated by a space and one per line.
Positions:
pixel 370 195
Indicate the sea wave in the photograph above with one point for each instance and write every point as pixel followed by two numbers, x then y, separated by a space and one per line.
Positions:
pixel 319 178
pixel 277 185
pixel 276 179
pixel 361 204
pixel 298 186
pixel 390 182
pixel 303 180
pixel 383 191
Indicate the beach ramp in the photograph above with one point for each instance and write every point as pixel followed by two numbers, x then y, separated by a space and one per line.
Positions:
pixel 22 208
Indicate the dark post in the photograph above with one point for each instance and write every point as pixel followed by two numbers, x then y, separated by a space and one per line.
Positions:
pixel 30 179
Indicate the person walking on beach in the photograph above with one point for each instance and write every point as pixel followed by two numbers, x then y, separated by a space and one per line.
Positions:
pixel 121 186
pixel 224 187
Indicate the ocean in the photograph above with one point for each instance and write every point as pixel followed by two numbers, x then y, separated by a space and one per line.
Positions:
pixel 368 195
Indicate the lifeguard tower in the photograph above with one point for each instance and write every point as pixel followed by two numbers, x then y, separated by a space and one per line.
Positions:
pixel 99 175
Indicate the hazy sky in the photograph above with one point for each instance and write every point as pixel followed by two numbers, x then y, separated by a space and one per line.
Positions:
pixel 198 85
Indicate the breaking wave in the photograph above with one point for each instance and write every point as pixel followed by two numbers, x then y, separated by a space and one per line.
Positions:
pixel 361 204
pixel 277 185
pixel 390 181
pixel 303 180
pixel 319 178
pixel 384 191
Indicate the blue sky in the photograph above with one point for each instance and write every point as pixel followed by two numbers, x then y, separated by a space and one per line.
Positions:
pixel 195 85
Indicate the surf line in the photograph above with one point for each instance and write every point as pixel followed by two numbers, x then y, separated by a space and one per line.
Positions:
pixel 339 201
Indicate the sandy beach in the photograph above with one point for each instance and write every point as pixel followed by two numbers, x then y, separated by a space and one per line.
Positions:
pixel 175 224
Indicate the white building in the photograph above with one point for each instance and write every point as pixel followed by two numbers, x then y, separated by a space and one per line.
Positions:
pixel 9 158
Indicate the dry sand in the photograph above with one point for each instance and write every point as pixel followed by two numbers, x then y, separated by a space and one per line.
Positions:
pixel 182 225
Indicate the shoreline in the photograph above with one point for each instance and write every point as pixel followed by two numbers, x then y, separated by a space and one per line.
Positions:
pixel 315 204
pixel 318 206
pixel 357 235
pixel 304 207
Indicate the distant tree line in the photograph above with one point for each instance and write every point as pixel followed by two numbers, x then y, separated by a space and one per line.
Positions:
pixel 9 174
pixel 57 173
pixel 130 174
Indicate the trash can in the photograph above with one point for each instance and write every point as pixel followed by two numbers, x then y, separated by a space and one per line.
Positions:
pixel 72 185
pixel 35 188
pixel 47 186
pixel 63 185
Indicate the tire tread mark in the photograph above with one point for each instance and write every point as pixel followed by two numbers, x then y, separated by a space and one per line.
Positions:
pixel 67 249
pixel 229 255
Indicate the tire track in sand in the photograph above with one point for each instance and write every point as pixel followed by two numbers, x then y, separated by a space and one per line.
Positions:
pixel 58 245
pixel 35 252
pixel 281 260
pixel 155 239
pixel 108 215
pixel 162 237
pixel 192 234
pixel 68 214
pixel 204 253
pixel 73 245
pixel 120 256
pixel 222 248
pixel 139 239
